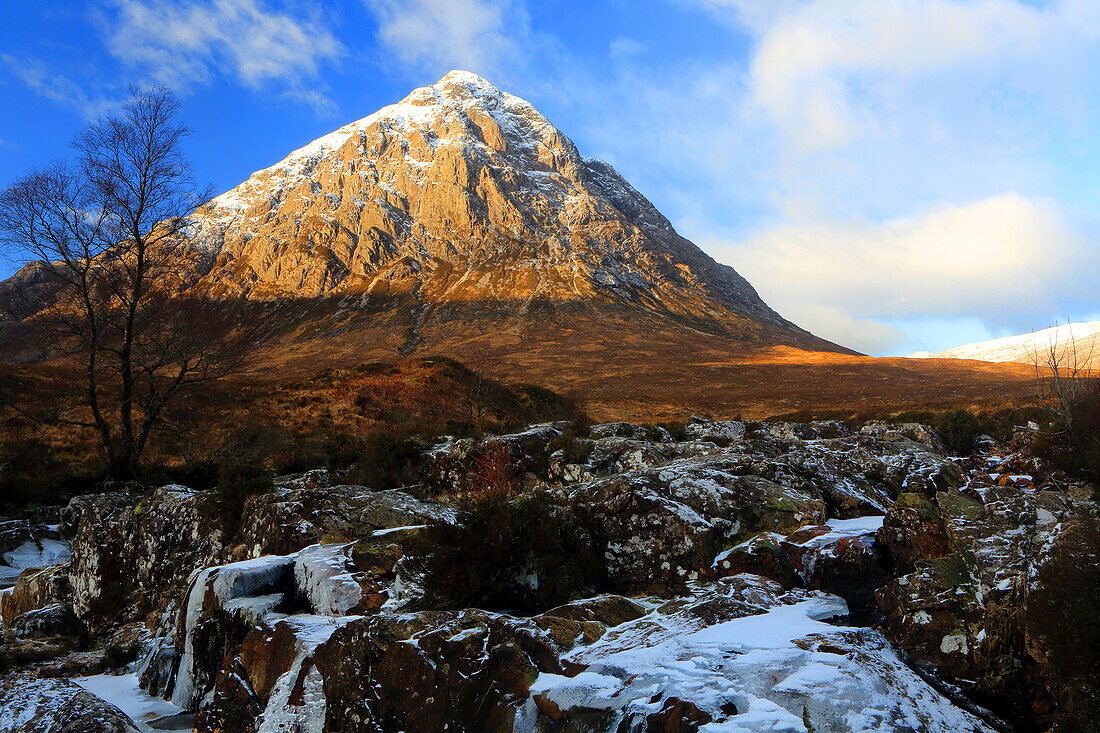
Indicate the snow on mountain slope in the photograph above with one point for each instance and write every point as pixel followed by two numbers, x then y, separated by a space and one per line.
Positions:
pixel 1082 339
pixel 461 193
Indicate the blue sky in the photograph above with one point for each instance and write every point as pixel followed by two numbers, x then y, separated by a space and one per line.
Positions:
pixel 892 174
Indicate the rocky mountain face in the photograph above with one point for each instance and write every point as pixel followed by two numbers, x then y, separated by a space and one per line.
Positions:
pixel 459 193
pixel 740 576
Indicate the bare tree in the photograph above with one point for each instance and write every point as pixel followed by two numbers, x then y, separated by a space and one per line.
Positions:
pixel 1068 390
pixel 1063 375
pixel 483 363
pixel 109 229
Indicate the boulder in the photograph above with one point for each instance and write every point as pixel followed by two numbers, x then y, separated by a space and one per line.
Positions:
pixel 629 431
pixel 34 589
pixel 616 455
pixel 607 610
pixel 452 466
pixel 677 716
pixel 761 555
pixel 434 672
pixel 50 621
pixel 318 478
pixel 128 547
pixel 661 527
pixel 14 533
pixel 25 653
pixel 285 521
pixel 840 557
pixel 898 432
pixel 74 510
pixel 722 431
pixel 913 530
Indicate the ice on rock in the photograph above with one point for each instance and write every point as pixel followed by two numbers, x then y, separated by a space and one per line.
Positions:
pixel 583 690
pixel 29 704
pixel 307 714
pixel 124 692
pixel 246 577
pixel 256 608
pixel 813 676
pixel 840 529
pixel 246 589
pixel 321 572
pixel 226 582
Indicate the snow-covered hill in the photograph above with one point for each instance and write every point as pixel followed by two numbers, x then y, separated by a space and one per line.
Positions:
pixel 1066 340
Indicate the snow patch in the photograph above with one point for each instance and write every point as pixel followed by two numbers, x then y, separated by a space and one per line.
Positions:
pixel 34 554
pixel 124 692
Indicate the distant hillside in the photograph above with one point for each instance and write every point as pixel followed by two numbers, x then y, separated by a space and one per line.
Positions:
pixel 1067 341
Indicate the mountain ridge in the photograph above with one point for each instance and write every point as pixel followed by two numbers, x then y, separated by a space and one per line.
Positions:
pixel 463 193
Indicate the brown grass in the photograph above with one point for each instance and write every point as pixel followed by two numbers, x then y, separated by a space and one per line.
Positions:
pixel 625 364
pixel 332 418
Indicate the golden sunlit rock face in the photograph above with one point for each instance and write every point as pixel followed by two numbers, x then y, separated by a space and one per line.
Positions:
pixel 463 194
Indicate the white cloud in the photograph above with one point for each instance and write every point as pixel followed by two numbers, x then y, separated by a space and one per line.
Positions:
pixel 439 35
pixel 1006 260
pixel 57 87
pixel 181 43
pixel 866 335
pixel 828 72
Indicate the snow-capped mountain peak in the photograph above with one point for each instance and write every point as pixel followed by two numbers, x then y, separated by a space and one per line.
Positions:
pixel 462 192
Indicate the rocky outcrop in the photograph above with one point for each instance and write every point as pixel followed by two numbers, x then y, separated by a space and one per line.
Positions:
pixel 129 547
pixel 856 475
pixel 661 527
pixel 661 509
pixel 965 606
pixel 747 655
pixel 145 546
pixel 752 591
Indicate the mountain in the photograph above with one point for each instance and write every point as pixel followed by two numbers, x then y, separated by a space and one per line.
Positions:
pixel 1069 341
pixel 462 201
